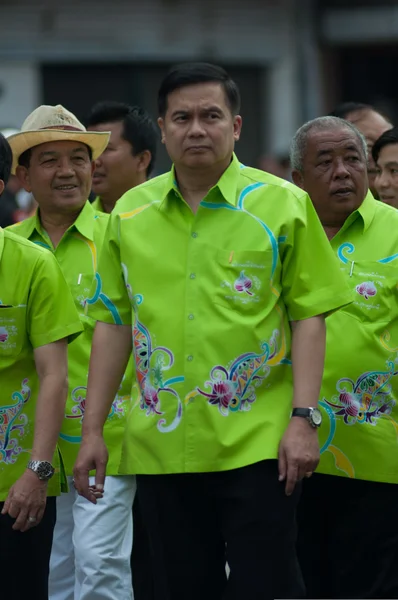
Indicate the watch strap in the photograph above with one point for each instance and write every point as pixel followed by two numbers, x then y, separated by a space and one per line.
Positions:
pixel 302 412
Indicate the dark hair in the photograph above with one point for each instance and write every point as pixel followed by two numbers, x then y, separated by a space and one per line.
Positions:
pixel 24 158
pixel 138 127
pixel 190 73
pixel 345 108
pixel 5 159
pixel 387 138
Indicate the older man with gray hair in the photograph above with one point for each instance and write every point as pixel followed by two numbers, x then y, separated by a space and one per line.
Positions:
pixel 348 533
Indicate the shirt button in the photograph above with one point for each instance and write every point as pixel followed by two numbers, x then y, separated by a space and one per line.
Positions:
pixel 190 357
pixel 192 275
pixel 191 317
pixel 194 234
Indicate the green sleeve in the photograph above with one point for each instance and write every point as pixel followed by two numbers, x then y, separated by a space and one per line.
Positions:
pixel 51 312
pixel 110 301
pixel 312 283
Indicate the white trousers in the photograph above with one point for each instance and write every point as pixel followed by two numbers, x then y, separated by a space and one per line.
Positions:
pixel 90 558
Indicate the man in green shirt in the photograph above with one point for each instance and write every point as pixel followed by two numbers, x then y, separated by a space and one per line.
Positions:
pixel 385 156
pixel 129 158
pixel 223 274
pixel 348 543
pixel 37 316
pixel 53 158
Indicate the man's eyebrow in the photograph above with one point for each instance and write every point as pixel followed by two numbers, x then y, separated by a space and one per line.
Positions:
pixel 350 148
pixel 47 153
pixel 212 109
pixel 79 149
pixel 180 111
pixel 323 152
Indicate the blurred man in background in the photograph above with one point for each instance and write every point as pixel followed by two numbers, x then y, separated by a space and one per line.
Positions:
pixel 385 155
pixel 130 155
pixel 128 161
pixel 371 123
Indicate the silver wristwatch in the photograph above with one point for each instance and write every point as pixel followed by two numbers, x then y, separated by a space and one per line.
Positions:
pixel 43 469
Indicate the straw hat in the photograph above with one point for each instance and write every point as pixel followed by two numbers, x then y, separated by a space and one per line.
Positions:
pixel 54 124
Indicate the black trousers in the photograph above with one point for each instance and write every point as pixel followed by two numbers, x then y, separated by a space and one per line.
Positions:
pixel 142 568
pixel 198 521
pixel 348 538
pixel 25 557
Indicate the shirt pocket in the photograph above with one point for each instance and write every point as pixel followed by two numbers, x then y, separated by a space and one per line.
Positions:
pixel 13 333
pixel 243 279
pixel 375 291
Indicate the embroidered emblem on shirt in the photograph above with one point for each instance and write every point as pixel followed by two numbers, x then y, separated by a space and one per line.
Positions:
pixel 243 284
pixel 366 289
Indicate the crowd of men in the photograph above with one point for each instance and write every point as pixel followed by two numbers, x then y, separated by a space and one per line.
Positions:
pixel 198 370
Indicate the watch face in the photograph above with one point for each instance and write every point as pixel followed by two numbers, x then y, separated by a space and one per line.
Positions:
pixel 316 417
pixel 45 470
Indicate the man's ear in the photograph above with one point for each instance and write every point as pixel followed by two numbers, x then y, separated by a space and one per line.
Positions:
pixel 2 186
pixel 161 126
pixel 298 179
pixel 145 158
pixel 23 175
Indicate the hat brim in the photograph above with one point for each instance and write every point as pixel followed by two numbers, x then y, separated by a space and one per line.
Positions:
pixel 20 142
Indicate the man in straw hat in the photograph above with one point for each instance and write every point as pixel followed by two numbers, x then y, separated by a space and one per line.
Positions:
pixel 37 316
pixel 54 159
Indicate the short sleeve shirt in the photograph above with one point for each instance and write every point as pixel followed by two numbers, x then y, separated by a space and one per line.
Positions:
pixel 209 297
pixel 77 255
pixel 359 434
pixel 36 308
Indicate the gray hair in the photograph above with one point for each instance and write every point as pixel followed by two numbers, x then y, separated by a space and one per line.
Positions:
pixel 299 142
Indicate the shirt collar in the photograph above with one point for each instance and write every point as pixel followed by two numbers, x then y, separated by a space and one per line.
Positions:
pixel 226 185
pixel 84 223
pixel 366 211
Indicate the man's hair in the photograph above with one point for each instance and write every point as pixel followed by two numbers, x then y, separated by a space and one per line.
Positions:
pixel 299 142
pixel 25 157
pixel 5 159
pixel 197 72
pixel 138 127
pixel 387 138
pixel 346 108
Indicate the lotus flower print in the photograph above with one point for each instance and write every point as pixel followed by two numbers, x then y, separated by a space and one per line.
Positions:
pixel 3 335
pixel 243 284
pixel 150 400
pixel 366 289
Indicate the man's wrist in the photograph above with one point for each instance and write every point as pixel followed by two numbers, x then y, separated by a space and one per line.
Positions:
pixel 311 414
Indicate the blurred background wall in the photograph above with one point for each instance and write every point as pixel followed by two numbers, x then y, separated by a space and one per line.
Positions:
pixel 293 59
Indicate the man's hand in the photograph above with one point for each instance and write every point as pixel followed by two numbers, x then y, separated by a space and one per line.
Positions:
pixel 26 501
pixel 93 456
pixel 298 452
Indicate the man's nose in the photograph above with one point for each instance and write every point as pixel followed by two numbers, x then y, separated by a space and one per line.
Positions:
pixel 196 128
pixel 340 170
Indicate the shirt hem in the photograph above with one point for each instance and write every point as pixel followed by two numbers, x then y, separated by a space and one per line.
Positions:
pixel 70 331
pixel 325 307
